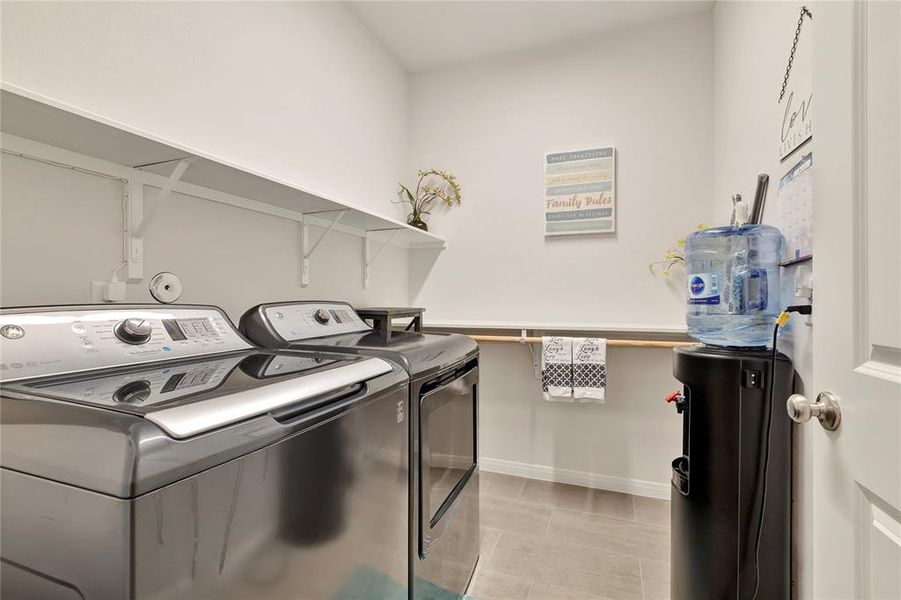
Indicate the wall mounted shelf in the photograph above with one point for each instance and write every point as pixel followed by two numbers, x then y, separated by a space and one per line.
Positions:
pixel 34 117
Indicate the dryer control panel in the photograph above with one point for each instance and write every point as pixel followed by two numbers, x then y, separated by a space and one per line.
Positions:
pixel 51 341
pixel 305 320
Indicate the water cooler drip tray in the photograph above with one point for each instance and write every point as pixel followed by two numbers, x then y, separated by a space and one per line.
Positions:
pixel 680 475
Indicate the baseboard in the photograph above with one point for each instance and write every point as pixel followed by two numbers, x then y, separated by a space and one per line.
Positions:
pixel 636 487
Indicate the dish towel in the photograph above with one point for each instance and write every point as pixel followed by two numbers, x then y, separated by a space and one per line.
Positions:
pixel 589 369
pixel 556 368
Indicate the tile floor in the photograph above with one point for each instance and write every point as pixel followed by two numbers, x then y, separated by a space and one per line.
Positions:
pixel 552 541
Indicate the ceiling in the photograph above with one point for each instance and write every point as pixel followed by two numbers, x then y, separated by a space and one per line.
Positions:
pixel 423 35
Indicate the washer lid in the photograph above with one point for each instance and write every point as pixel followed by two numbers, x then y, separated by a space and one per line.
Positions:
pixel 199 417
pixel 127 431
pixel 197 396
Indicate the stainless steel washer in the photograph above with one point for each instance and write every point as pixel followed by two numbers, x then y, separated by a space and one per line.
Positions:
pixel 444 375
pixel 151 452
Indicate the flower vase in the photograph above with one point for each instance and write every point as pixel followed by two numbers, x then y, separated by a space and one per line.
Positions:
pixel 416 221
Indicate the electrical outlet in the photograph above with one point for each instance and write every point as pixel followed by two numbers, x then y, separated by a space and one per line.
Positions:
pixel 108 291
pixel 115 292
pixel 97 291
pixel 804 283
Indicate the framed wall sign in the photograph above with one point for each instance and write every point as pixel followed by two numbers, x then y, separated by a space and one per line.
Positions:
pixel 580 192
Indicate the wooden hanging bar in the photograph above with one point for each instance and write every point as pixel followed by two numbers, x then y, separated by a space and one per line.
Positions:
pixel 512 339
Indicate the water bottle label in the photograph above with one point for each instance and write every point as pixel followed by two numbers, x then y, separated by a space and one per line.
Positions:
pixel 703 288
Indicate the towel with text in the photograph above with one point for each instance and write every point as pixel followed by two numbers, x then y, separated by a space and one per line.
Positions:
pixel 556 368
pixel 589 369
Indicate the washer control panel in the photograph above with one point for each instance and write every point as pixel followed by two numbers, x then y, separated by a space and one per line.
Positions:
pixel 53 341
pixel 303 321
pixel 146 387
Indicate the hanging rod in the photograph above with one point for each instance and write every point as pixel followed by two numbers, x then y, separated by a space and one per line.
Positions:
pixel 512 339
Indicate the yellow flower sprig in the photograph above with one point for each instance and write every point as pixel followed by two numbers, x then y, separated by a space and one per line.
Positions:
pixel 672 257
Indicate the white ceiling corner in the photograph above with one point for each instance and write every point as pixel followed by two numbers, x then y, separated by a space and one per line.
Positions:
pixel 424 35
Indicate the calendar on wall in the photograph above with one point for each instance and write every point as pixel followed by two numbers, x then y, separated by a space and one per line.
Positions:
pixel 795 214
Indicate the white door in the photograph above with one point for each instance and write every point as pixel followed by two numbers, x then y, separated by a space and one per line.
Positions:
pixel 857 300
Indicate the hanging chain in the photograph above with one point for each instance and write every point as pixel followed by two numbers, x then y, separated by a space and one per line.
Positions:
pixel 791 57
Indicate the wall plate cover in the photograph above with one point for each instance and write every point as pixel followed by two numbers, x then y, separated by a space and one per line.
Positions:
pixel 108 291
pixel 165 287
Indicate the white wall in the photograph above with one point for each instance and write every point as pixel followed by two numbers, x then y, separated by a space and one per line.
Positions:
pixel 624 445
pixel 648 91
pixel 299 90
pixel 61 229
pixel 751 44
pixel 748 71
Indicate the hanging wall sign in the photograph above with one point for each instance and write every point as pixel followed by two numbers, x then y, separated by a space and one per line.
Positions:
pixel 796 96
pixel 579 192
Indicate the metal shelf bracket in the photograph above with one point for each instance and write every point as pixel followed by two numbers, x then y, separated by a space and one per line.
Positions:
pixel 137 221
pixel 134 214
pixel 306 250
pixel 369 256
pixel 163 196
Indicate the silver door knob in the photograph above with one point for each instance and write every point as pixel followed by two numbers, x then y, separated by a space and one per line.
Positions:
pixel 825 409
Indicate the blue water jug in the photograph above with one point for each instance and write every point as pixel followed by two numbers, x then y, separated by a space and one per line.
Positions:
pixel 733 284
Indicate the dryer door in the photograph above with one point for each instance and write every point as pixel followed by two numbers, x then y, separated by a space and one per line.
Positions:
pixel 447 417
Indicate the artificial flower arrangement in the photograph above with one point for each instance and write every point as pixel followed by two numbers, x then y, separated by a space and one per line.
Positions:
pixel 435 187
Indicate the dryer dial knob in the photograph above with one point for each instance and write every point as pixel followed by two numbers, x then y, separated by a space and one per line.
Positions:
pixel 323 316
pixel 133 331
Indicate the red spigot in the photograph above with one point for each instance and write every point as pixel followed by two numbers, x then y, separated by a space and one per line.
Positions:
pixel 679 398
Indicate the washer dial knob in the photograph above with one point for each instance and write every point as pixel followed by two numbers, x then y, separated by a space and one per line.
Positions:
pixel 135 392
pixel 133 331
pixel 12 332
pixel 323 316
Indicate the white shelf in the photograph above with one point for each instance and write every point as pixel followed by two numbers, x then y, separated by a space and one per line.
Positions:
pixel 35 117
pixel 556 326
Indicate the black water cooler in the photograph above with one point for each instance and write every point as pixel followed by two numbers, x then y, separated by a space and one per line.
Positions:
pixel 716 483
